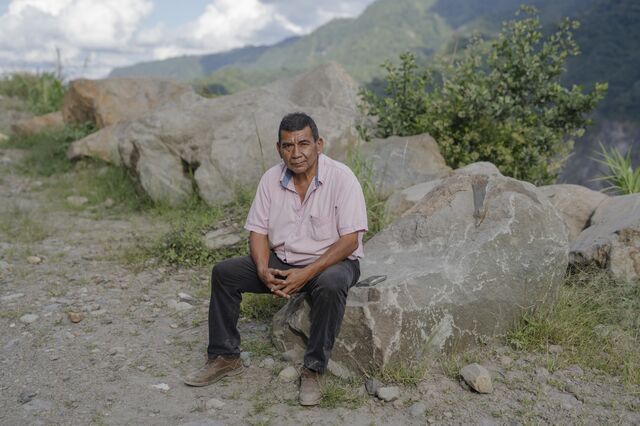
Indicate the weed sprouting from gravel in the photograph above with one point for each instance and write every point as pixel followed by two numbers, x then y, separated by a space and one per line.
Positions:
pixel 338 392
pixel 595 319
pixel 260 307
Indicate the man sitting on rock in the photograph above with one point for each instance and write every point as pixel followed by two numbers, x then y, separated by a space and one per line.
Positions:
pixel 306 225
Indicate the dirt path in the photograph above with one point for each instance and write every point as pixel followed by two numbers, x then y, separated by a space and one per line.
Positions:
pixel 122 363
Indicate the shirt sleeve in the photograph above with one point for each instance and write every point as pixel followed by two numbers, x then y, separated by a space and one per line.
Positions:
pixel 351 210
pixel 258 217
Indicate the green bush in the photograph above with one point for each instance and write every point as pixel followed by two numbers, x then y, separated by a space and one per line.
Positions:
pixel 47 150
pixel 42 92
pixel 500 102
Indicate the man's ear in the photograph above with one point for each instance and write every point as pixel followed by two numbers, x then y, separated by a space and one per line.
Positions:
pixel 278 149
pixel 320 145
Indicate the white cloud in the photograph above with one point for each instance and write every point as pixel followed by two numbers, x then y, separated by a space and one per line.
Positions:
pixel 94 36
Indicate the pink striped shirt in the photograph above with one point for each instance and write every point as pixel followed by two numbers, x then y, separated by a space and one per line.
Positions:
pixel 301 231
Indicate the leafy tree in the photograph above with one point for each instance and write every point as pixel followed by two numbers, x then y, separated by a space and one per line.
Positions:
pixel 500 101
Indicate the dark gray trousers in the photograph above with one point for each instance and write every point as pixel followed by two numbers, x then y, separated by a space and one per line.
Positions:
pixel 327 290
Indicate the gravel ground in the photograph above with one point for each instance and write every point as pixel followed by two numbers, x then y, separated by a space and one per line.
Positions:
pixel 122 362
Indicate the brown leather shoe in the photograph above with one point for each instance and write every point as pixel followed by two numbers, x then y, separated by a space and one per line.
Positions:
pixel 214 370
pixel 310 393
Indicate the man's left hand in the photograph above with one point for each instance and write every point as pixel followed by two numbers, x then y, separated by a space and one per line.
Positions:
pixel 295 279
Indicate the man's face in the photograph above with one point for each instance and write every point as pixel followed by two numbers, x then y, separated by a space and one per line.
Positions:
pixel 299 151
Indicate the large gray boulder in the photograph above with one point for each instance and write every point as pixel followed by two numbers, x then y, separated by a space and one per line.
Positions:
pixel 403 199
pixel 612 241
pixel 112 100
pixel 399 162
pixel 575 204
pixel 212 146
pixel 463 265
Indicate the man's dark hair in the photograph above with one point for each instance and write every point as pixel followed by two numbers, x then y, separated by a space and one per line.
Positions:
pixel 297 121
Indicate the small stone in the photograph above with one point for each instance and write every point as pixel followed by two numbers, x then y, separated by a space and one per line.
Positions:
pixel 555 349
pixel 418 409
pixel 116 350
pixel 29 318
pixel 372 385
pixel 477 377
pixel 289 374
pixel 76 200
pixel 267 363
pixel 108 203
pixel 161 386
pixel 397 404
pixel 34 260
pixel 448 414
pixel 184 297
pixel 11 297
pixel 246 358
pixel 506 360
pixel 4 266
pixel 388 394
pixel 26 396
pixel 3 137
pixel 220 238
pixel 215 404
pixel 542 372
pixel 74 317
pixel 179 306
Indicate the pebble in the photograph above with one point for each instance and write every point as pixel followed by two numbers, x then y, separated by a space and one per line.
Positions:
pixel 108 203
pixel 477 377
pixel 372 385
pixel 74 317
pixel 542 372
pixel 246 358
pixel 3 137
pixel 397 404
pixel 388 394
pixel 4 266
pixel 215 404
pixel 292 355
pixel 267 363
pixel 184 297
pixel 26 396
pixel 289 374
pixel 506 360
pixel 76 200
pixel 29 318
pixel 555 349
pixel 161 386
pixel 116 350
pixel 418 409
pixel 34 260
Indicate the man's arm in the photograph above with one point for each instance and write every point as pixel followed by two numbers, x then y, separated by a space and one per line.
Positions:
pixel 296 278
pixel 259 249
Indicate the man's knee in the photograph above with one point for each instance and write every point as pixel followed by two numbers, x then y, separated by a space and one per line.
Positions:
pixel 220 271
pixel 332 283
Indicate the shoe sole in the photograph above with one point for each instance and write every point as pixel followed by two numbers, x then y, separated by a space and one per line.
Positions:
pixel 232 373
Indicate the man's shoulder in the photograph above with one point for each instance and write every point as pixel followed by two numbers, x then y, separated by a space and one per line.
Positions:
pixel 274 173
pixel 338 169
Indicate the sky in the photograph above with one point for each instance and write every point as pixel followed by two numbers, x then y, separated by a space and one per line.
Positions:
pixel 92 37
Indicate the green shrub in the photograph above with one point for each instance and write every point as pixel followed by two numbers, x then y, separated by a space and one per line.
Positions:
pixel 47 151
pixel 43 92
pixel 622 176
pixel 501 102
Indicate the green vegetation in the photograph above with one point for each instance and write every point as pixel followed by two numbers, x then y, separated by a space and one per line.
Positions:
pixel 42 92
pixel 20 225
pixel 501 102
pixel 622 176
pixel 338 392
pixel 595 320
pixel 411 374
pixel 47 151
pixel 374 200
pixel 261 307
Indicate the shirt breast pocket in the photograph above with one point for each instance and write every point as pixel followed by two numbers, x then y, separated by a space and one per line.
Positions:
pixel 321 228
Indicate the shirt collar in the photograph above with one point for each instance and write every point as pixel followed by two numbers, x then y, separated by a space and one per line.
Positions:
pixel 286 175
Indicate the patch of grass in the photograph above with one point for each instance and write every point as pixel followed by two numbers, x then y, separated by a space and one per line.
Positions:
pixel 183 245
pixel 43 92
pixel 622 176
pixel 374 200
pixel 338 392
pixel 405 374
pixel 258 347
pixel 595 319
pixel 47 150
pixel 452 363
pixel 260 307
pixel 20 225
